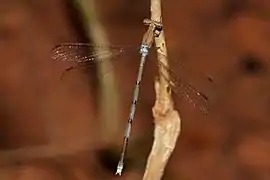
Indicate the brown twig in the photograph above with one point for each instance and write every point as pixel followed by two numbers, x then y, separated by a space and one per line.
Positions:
pixel 10 157
pixel 167 120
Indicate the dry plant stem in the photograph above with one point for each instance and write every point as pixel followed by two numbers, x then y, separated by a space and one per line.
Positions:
pixel 167 120
pixel 109 98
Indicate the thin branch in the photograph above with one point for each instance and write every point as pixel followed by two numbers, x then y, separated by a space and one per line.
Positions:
pixel 109 97
pixel 167 120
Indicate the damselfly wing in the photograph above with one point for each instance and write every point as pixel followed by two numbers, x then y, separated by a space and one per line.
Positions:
pixel 85 55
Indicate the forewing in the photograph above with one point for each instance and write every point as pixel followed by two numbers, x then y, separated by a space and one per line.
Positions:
pixel 84 52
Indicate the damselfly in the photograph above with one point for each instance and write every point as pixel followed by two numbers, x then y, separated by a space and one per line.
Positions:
pixel 82 55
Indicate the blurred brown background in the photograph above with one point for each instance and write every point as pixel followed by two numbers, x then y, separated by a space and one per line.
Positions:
pixel 50 130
